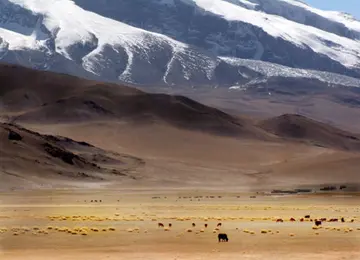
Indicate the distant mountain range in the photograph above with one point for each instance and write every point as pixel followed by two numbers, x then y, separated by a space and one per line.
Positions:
pixel 217 43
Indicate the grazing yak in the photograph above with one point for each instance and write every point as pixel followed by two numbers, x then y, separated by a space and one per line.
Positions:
pixel 206 225
pixel 160 225
pixel 219 225
pixel 223 237
pixel 317 222
pixel 279 220
pixel 193 224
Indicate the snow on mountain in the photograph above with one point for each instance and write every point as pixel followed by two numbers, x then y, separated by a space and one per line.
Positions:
pixel 248 4
pixel 341 49
pixel 347 20
pixel 71 24
pixel 331 21
pixel 180 42
pixel 268 70
pixel 93 41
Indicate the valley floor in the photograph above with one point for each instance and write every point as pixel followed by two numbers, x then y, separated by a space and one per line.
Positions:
pixel 123 224
pixel 180 158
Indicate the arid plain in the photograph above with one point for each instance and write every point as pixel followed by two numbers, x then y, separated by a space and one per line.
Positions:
pixel 123 224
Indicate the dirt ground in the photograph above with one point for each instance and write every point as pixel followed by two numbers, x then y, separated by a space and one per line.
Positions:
pixel 123 224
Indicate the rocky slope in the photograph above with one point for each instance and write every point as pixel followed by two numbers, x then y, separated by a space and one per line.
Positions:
pixel 31 159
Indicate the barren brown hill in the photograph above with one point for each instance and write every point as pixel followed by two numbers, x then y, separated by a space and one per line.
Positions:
pixel 29 157
pixel 336 106
pixel 297 127
pixel 43 97
pixel 29 96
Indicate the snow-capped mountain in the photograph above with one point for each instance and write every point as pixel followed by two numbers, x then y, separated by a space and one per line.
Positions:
pixel 182 42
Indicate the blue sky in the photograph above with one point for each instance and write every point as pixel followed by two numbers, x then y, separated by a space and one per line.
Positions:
pixel 349 6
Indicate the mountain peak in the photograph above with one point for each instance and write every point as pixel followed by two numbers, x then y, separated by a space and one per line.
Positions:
pixel 173 43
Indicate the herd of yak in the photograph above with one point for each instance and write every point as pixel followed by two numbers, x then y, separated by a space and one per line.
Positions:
pixel 222 237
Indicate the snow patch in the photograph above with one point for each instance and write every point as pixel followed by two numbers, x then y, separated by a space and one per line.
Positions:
pixel 268 69
pixel 245 3
pixel 168 66
pixel 126 75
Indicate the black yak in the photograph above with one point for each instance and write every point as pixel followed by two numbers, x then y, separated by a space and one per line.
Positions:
pixel 223 237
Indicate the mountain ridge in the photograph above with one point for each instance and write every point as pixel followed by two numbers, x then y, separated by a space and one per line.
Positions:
pixel 46 98
pixel 298 127
pixel 128 42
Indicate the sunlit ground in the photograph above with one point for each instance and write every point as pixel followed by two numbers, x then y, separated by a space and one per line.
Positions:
pixel 118 225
